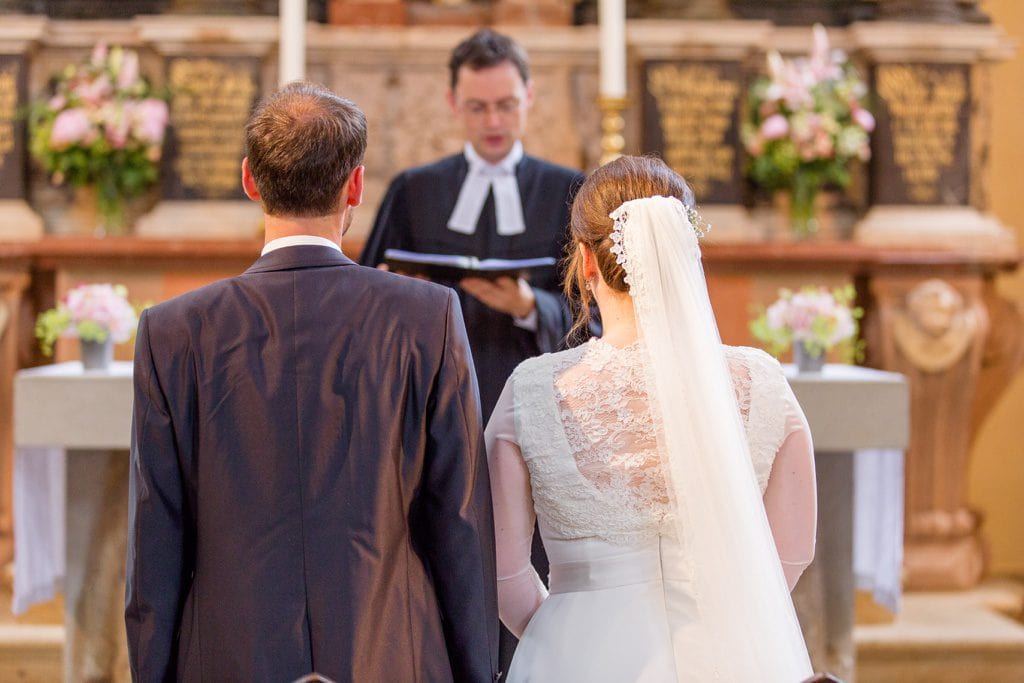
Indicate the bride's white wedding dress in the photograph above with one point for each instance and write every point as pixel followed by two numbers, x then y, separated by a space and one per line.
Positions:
pixel 572 444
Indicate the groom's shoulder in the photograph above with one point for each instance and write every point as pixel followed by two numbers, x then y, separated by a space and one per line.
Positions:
pixel 186 304
pixel 402 290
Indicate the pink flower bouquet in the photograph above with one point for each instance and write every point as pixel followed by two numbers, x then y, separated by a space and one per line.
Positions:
pixel 94 312
pixel 814 317
pixel 806 122
pixel 101 126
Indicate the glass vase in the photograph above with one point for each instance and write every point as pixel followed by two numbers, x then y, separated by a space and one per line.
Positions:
pixel 110 210
pixel 803 216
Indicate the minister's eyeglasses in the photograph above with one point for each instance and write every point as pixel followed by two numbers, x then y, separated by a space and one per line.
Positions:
pixel 504 107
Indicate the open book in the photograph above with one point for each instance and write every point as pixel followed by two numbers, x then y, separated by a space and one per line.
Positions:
pixel 451 268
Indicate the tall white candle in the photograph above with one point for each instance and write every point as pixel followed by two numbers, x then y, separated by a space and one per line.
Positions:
pixel 611 17
pixel 291 65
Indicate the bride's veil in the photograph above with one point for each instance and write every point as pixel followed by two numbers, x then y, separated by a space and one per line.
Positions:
pixel 742 598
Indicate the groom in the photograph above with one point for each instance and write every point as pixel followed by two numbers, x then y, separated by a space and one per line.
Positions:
pixel 308 489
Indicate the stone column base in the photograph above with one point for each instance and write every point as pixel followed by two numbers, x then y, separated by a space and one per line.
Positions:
pixel 948 564
pixel 958 227
pixel 731 223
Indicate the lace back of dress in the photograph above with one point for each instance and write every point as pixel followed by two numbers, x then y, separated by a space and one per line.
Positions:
pixel 611 435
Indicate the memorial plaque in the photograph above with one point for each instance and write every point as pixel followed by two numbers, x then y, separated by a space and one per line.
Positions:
pixel 921 146
pixel 691 119
pixel 211 99
pixel 13 94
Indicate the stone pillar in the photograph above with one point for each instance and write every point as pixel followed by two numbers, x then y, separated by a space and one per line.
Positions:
pixel 18 37
pixel 692 87
pixel 213 87
pixel 935 332
pixel 926 175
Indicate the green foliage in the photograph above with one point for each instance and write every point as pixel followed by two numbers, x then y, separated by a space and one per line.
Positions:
pixel 49 326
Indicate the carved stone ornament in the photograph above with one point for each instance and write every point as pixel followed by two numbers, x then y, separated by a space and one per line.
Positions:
pixel 936 329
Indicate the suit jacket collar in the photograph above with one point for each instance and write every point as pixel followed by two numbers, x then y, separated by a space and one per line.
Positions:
pixel 298 257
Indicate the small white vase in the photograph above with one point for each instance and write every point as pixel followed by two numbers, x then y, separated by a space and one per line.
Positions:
pixel 805 360
pixel 97 355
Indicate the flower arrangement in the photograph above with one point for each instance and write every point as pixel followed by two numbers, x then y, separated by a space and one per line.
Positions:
pixel 101 126
pixel 814 318
pixel 92 313
pixel 806 122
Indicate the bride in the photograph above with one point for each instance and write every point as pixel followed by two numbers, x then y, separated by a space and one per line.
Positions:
pixel 672 477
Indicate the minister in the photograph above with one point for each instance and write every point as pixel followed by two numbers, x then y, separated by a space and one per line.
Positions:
pixel 490 201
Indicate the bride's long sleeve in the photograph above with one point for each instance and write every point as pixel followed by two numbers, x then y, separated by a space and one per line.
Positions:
pixel 520 590
pixel 791 499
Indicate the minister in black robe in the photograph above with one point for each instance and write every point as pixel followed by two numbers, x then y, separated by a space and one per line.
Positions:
pixel 414 216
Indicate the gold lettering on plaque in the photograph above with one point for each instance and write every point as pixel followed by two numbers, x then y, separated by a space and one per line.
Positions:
pixel 695 108
pixel 924 107
pixel 209 108
pixel 8 110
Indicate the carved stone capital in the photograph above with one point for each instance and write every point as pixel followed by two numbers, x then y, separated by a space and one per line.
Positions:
pixel 936 327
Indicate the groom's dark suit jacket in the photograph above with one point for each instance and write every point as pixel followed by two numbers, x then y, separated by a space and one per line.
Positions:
pixel 308 486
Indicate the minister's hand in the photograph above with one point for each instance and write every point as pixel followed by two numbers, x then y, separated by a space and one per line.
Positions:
pixel 505 295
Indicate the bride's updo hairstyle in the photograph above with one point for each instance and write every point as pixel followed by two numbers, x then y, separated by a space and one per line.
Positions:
pixel 606 189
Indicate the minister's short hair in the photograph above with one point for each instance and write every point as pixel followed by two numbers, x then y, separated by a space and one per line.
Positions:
pixel 487 48
pixel 303 142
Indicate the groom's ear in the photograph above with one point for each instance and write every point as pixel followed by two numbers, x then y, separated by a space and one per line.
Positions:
pixel 353 188
pixel 249 183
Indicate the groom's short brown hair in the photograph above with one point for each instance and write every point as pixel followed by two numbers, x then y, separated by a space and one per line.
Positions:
pixel 303 142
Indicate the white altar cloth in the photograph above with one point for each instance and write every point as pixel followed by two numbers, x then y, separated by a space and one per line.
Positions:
pixel 92 411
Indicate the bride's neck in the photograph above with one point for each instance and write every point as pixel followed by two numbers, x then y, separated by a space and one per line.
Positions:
pixel 618 318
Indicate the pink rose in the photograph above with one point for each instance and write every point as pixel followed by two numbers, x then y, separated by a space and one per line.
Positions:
pixel 129 71
pixel 150 120
pixel 95 91
pixel 863 118
pixel 775 127
pixel 117 125
pixel 99 54
pixel 71 126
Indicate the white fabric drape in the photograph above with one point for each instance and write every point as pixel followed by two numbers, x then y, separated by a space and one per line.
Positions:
pixel 878 525
pixel 38 525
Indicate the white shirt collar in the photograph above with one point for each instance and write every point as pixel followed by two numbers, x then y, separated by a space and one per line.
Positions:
pixel 505 165
pixel 297 240
pixel 484 177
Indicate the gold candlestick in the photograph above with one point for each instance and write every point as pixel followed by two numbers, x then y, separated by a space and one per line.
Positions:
pixel 613 123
